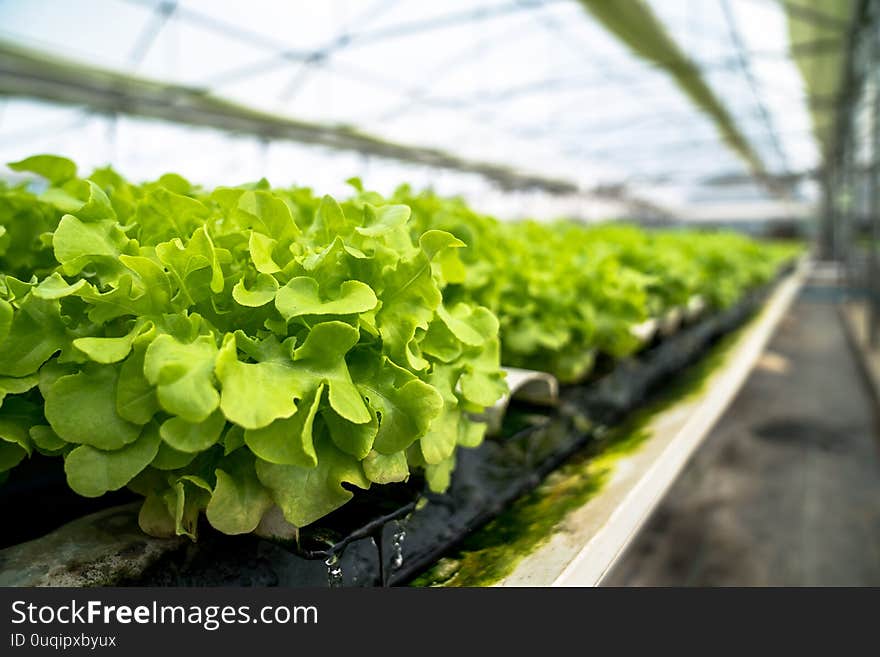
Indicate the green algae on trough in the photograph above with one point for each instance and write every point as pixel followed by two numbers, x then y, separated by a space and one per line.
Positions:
pixel 493 551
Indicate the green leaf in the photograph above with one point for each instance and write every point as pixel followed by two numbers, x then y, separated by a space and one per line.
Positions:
pixel 50 372
pixel 329 221
pixel 173 503
pixel 433 242
pixel 336 263
pixel 46 440
pixel 442 436
pixel 384 219
pixel 17 290
pixel 78 244
pixel 51 167
pixel 268 349
pixel 256 394
pixel 300 296
pixel 17 416
pixel 189 496
pixel 98 206
pixel 16 386
pixel 151 282
pixel 111 350
pixel 35 334
pixel 439 442
pixel 11 454
pixel 233 439
pixel 410 299
pixel 270 214
pixel 183 375
pixel 162 215
pixel 440 343
pixel 321 359
pixel 81 408
pixel 192 437
pixel 136 399
pixel 92 472
pixel 288 441
pixel 354 439
pixel 405 404
pixel 168 458
pixel 473 326
pixel 386 468
pixel 439 475
pixel 55 287
pixel 471 433
pixel 261 248
pixel 450 268
pixel 262 292
pixel 5 319
pixel 175 183
pixel 66 198
pixel 123 299
pixel 307 494
pixel 239 499
pixel 194 266
pixel 482 382
pixel 155 518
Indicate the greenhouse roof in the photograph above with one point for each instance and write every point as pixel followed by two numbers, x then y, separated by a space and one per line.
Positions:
pixel 818 32
pixel 543 96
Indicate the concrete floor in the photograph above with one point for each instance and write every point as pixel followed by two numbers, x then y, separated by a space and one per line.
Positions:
pixel 786 489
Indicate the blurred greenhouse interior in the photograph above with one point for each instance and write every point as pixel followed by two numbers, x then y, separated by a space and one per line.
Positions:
pixel 755 117
pixel 583 122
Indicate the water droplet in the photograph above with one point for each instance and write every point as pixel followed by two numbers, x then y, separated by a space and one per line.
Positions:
pixel 334 571
pixel 397 540
pixel 397 548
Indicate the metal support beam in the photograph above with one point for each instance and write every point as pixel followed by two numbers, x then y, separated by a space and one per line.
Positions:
pixel 636 25
pixel 873 180
pixel 814 16
pixel 826 218
pixel 848 187
pixel 29 74
pixel 746 67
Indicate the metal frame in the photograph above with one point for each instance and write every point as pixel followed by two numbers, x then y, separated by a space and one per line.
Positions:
pixel 874 192
pixel 24 73
pixel 851 233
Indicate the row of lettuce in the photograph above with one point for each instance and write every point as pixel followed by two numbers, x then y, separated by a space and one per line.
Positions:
pixel 230 351
pixel 565 293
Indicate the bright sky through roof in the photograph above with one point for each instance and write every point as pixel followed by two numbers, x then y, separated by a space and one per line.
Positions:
pixel 535 84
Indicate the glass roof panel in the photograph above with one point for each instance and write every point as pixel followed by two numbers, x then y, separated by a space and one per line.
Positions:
pixel 534 84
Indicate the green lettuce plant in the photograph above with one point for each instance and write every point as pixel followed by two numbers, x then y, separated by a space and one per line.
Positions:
pixel 224 352
pixel 565 292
